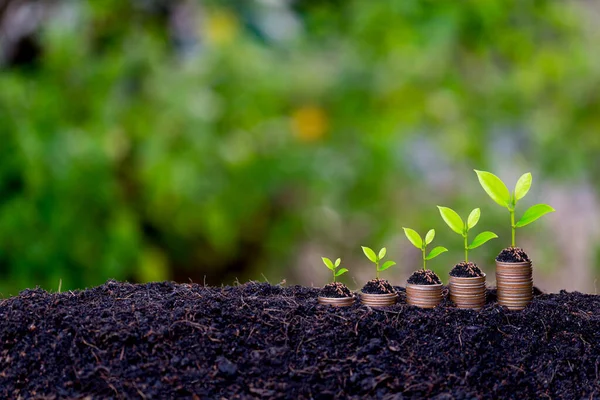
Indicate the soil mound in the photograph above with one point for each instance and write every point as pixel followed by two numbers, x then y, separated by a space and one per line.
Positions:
pixel 424 277
pixel 466 270
pixel 167 340
pixel 513 254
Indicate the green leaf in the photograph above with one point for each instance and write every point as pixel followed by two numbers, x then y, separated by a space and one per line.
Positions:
pixel 533 213
pixel 382 253
pixel 473 218
pixel 494 187
pixel 370 254
pixel 338 262
pixel 482 238
pixel 386 265
pixel 452 219
pixel 522 186
pixel 429 237
pixel 414 237
pixel 436 252
pixel 328 263
pixel 341 271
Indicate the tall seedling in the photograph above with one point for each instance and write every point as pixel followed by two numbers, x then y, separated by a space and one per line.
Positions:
pixel 421 244
pixel 332 266
pixel 455 222
pixel 498 191
pixel 376 259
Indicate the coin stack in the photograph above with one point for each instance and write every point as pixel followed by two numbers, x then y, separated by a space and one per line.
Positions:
pixel 336 301
pixel 514 282
pixel 378 300
pixel 424 296
pixel 467 292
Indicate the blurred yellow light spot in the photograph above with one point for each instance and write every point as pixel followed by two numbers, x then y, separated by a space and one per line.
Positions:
pixel 221 27
pixel 309 123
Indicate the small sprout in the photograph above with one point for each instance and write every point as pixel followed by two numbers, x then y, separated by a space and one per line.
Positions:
pixel 498 191
pixel 376 258
pixel 421 244
pixel 332 266
pixel 455 222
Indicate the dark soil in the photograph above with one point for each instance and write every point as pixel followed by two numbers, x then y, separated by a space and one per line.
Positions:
pixel 466 270
pixel 513 254
pixel 378 286
pixel 335 289
pixel 424 277
pixel 165 340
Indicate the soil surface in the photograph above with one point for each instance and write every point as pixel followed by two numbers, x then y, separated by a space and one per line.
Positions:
pixel 424 277
pixel 378 286
pixel 166 340
pixel 336 290
pixel 466 270
pixel 513 254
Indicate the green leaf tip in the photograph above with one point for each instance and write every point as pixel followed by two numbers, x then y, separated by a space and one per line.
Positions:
pixel 370 254
pixel 430 236
pixel 436 252
pixel 327 263
pixel 386 265
pixel 413 237
pixel 452 219
pixel 523 185
pixel 533 213
pixel 473 218
pixel 494 187
pixel 481 239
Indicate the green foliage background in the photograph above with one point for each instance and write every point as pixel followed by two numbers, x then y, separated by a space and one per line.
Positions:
pixel 131 151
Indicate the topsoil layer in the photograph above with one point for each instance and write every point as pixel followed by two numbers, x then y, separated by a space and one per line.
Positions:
pixel 335 290
pixel 424 277
pixel 466 270
pixel 166 340
pixel 513 255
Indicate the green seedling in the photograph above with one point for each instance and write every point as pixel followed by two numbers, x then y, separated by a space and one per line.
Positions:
pixel 376 258
pixel 421 244
pixel 455 222
pixel 498 191
pixel 333 266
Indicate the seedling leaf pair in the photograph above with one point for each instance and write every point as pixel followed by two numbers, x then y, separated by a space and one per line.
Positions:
pixel 498 191
pixel 332 266
pixel 421 244
pixel 455 222
pixel 376 258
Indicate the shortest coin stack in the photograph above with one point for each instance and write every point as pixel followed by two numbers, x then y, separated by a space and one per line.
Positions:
pixel 336 301
pixel 514 282
pixel 378 300
pixel 467 292
pixel 424 296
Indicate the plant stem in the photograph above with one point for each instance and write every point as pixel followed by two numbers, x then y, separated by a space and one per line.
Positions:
pixel 377 269
pixel 466 247
pixel 424 259
pixel 333 275
pixel 512 226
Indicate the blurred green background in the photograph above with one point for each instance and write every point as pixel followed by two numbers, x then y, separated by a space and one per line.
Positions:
pixel 211 141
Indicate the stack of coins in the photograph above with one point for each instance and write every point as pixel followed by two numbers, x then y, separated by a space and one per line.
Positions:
pixel 515 284
pixel 424 296
pixel 378 300
pixel 467 292
pixel 336 301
